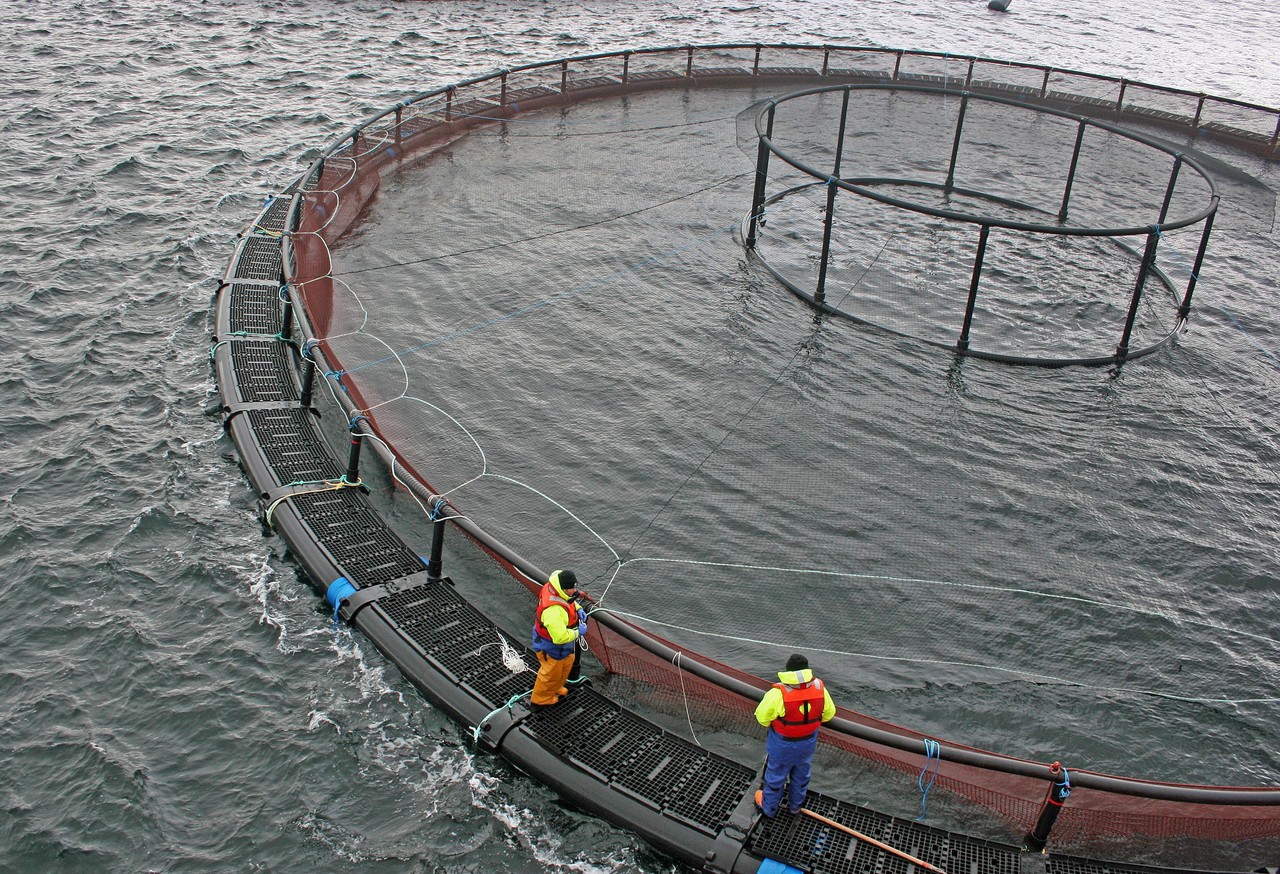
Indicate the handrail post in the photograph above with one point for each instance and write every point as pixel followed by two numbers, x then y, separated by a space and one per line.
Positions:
pixel 626 67
pixel 564 77
pixel 352 476
pixel 1195 122
pixel 1148 260
pixel 755 67
pixel 1059 789
pixel 1124 84
pixel 962 345
pixel 1071 172
pixel 308 373
pixel 762 176
pixel 1168 192
pixel 399 122
pixel 820 293
pixel 897 65
pixel 1184 309
pixel 448 105
pixel 436 561
pixel 502 99
pixel 286 313
pixel 955 145
pixel 688 64
pixel 1044 83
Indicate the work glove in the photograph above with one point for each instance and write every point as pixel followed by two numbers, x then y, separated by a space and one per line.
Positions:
pixel 582 616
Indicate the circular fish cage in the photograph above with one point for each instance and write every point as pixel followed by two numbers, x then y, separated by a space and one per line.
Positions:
pixel 982 224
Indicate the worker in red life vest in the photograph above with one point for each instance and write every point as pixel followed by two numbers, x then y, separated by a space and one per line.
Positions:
pixel 557 625
pixel 792 711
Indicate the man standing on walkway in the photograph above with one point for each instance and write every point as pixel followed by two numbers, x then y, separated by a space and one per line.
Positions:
pixel 557 625
pixel 792 711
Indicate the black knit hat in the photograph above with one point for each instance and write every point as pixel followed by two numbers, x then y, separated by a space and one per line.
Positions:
pixel 568 580
pixel 797 662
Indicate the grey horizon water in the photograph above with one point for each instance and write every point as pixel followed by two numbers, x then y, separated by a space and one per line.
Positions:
pixel 174 697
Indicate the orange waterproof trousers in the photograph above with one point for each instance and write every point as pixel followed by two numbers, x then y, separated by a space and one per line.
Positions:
pixel 552 674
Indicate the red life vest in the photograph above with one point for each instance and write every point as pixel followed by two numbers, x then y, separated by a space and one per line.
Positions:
pixel 550 597
pixel 802 709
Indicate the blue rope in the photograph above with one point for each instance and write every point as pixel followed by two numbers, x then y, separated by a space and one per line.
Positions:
pixel 932 762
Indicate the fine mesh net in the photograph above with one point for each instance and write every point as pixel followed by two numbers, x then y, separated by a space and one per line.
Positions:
pixel 550 320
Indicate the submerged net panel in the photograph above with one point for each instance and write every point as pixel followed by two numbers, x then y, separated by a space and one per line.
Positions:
pixel 593 371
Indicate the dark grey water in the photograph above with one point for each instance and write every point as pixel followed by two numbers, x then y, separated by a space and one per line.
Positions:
pixel 174 698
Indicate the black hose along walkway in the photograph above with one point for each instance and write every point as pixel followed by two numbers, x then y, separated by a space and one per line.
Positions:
pixel 689 802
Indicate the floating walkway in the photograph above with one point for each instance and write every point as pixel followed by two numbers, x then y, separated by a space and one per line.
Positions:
pixel 690 803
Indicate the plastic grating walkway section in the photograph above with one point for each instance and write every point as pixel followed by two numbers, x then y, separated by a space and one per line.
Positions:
pixel 359 541
pixel 252 309
pixel 806 843
pixel 657 768
pixel 257 259
pixel 294 450
pixel 258 368
pixel 460 641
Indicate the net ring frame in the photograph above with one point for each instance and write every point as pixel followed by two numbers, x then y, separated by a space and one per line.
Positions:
pixel 860 186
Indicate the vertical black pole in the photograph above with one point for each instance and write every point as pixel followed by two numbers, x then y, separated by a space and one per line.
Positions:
pixel 762 176
pixel 286 313
pixel 502 99
pixel 308 375
pixel 1148 260
pixel 436 560
pixel 1059 789
pixel 1071 173
pixel 352 476
pixel 1185 309
pixel 1168 192
pixel 820 294
pixel 955 145
pixel 399 121
pixel 963 343
pixel 626 67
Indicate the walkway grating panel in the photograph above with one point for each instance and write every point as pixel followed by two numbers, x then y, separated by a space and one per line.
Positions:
pixel 258 258
pixel 357 539
pixel 263 371
pixel 253 309
pixel 292 446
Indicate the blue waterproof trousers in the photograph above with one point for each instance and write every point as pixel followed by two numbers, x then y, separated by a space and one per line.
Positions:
pixel 786 759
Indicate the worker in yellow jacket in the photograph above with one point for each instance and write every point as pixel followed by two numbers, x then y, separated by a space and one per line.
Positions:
pixel 792 710
pixel 557 625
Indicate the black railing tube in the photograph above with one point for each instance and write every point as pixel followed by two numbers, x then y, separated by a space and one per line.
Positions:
pixel 955 145
pixel 968 76
pixel 502 97
pixel 762 176
pixel 1044 83
pixel 688 64
pixel 435 562
pixel 1168 191
pixel 755 66
pixel 897 65
pixel 448 105
pixel 564 77
pixel 1148 260
pixel 826 61
pixel 963 343
pixel 1071 172
pixel 1124 84
pixel 1195 122
pixel 820 293
pixel 626 68
pixel 399 121
pixel 1184 309
pixel 1036 839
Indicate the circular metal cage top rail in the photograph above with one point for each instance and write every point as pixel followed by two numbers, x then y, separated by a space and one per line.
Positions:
pixel 862 186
